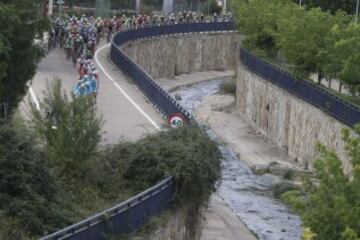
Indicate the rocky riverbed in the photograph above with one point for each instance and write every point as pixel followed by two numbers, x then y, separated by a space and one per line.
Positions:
pixel 248 195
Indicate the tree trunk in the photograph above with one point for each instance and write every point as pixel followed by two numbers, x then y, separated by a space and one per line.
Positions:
pixel 319 77
pixel 330 81
pixel 4 112
pixel 340 87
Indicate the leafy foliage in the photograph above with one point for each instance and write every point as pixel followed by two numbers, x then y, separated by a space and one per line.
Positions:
pixel 20 24
pixel 301 39
pixel 228 86
pixel 331 207
pixel 257 19
pixel 28 192
pixel 185 153
pixel 70 130
pixel 342 55
pixel 311 41
pixel 333 6
pixel 214 7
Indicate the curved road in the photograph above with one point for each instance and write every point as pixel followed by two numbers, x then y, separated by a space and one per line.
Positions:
pixel 127 114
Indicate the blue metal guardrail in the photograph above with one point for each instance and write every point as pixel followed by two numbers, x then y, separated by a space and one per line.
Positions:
pixel 125 218
pixel 159 97
pixel 310 92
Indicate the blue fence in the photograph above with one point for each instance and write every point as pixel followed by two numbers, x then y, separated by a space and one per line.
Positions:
pixel 124 218
pixel 159 97
pixel 333 105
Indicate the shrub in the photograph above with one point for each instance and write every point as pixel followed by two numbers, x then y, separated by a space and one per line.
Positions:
pixel 28 192
pixel 70 130
pixel 288 174
pixel 185 153
pixel 282 187
pixel 228 86
pixel 331 207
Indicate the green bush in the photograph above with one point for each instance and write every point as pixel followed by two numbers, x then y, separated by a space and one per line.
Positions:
pixel 185 153
pixel 330 207
pixel 228 86
pixel 28 192
pixel 288 174
pixel 282 187
pixel 70 130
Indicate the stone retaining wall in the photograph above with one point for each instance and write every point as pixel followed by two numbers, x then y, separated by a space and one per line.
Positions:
pixel 290 122
pixel 166 57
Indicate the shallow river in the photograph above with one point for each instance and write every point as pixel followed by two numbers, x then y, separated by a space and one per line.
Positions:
pixel 249 196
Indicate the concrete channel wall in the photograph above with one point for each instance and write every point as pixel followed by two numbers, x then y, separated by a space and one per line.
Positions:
pixel 290 122
pixel 168 56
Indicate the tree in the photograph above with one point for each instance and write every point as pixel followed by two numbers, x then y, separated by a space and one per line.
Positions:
pixel 301 38
pixel 257 19
pixel 70 130
pixel 214 7
pixel 331 207
pixel 341 58
pixel 28 191
pixel 20 23
pixel 333 6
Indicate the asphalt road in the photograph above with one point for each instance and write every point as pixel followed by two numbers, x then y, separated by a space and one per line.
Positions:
pixel 127 114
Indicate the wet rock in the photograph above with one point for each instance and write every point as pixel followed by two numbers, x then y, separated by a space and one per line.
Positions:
pixel 178 97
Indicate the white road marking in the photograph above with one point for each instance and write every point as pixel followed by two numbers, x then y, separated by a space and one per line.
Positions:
pixel 156 126
pixel 34 98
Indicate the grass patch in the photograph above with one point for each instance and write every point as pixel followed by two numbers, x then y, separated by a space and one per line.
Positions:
pixel 289 174
pixel 228 86
pixel 282 187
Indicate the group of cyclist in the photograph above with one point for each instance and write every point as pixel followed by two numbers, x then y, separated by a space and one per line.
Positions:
pixel 79 36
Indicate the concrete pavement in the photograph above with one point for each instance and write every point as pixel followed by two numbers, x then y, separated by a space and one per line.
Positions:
pixel 222 224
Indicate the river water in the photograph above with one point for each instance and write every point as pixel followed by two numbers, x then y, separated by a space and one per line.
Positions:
pixel 248 195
